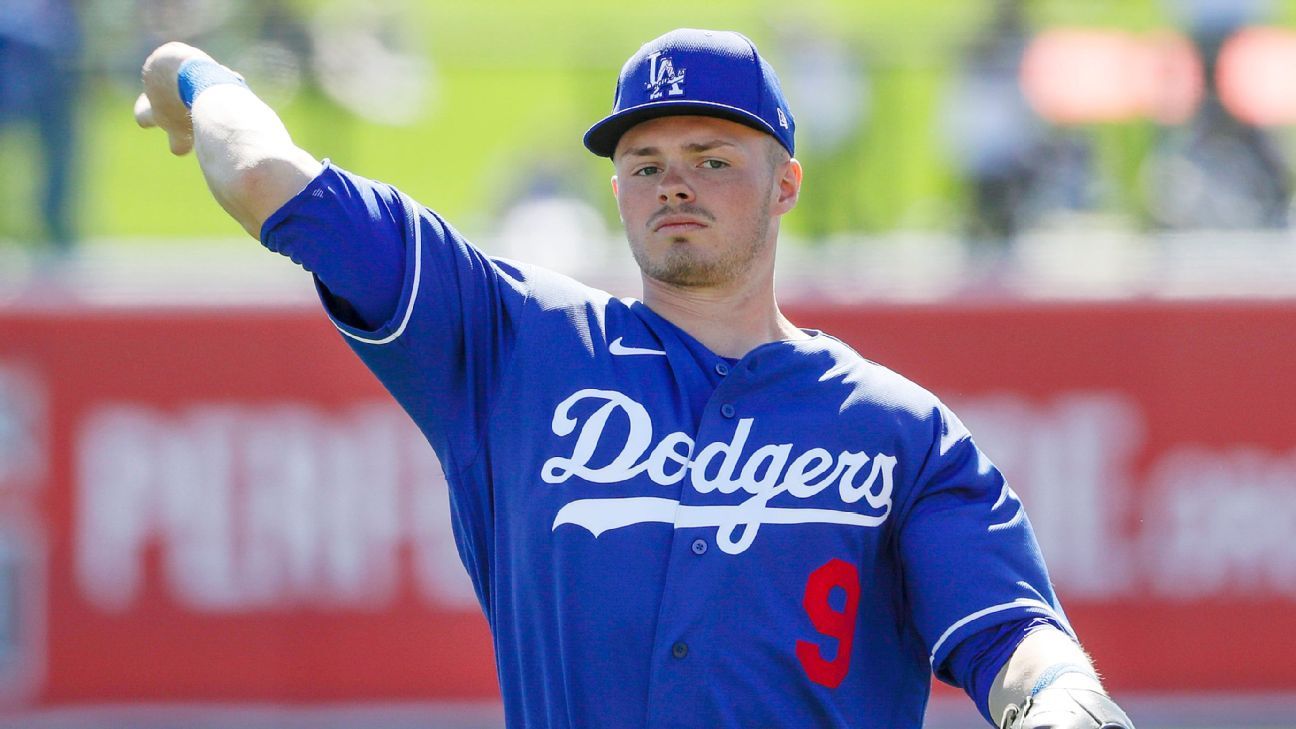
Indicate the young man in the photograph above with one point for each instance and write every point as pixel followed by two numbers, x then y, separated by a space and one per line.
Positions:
pixel 680 511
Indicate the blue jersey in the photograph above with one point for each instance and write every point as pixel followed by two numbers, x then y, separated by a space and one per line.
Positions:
pixel 663 537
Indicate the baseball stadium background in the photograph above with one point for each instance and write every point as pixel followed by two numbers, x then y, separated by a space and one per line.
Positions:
pixel 1069 218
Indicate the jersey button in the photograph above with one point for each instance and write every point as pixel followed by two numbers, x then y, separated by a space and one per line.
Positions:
pixel 680 649
pixel 727 410
pixel 699 546
pixel 722 369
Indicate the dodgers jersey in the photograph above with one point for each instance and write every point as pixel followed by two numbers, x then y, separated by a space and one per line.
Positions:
pixel 662 537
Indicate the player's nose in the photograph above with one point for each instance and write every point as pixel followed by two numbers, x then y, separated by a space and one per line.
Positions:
pixel 673 188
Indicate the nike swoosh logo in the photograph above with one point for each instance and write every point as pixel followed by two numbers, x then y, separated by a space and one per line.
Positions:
pixel 617 348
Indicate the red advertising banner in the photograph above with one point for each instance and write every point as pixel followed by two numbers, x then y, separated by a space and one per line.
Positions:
pixel 222 506
pixel 202 506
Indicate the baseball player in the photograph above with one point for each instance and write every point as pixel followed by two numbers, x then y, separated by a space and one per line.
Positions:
pixel 679 511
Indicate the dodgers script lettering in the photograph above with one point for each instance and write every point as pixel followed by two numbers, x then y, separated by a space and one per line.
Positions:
pixel 769 471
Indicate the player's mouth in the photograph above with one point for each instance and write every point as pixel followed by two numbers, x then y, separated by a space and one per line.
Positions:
pixel 677 224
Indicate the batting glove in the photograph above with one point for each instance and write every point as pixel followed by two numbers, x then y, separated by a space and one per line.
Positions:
pixel 1066 708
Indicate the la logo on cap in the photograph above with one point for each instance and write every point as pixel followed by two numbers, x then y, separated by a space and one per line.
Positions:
pixel 661 74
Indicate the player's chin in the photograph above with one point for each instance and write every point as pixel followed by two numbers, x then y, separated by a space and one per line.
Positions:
pixel 682 279
pixel 684 269
pixel 664 249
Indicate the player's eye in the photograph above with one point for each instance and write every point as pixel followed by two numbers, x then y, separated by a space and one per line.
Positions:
pixel 647 170
pixel 714 164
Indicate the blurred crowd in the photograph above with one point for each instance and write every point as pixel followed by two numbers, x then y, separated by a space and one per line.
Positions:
pixel 1019 126
pixel 1021 102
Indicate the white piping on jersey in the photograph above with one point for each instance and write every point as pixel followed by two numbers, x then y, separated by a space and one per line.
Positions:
pixel 414 286
pixel 1019 602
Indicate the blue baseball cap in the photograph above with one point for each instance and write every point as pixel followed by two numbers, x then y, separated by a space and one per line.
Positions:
pixel 696 72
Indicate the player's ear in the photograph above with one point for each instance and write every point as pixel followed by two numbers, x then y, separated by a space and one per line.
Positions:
pixel 615 191
pixel 788 185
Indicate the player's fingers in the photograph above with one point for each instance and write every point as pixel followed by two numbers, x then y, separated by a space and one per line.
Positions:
pixel 181 142
pixel 144 112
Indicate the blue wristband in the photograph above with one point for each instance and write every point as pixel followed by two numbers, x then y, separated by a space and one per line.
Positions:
pixel 196 75
pixel 1056 671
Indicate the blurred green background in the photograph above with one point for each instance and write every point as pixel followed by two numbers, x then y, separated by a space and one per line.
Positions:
pixel 511 86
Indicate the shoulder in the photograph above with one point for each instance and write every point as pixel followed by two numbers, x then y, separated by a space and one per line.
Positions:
pixel 549 290
pixel 872 382
pixel 559 308
pixel 879 391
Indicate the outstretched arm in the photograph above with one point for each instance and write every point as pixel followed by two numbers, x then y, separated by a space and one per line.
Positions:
pixel 250 163
pixel 1049 682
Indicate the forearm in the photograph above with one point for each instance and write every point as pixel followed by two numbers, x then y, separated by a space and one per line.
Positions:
pixel 248 159
pixel 1037 653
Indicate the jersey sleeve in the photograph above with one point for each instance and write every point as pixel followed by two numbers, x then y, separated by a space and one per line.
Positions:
pixel 969 555
pixel 975 663
pixel 356 260
pixel 450 332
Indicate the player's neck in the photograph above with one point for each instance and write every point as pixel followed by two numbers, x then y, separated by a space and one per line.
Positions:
pixel 730 321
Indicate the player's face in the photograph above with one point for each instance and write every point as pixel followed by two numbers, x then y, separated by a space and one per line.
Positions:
pixel 700 196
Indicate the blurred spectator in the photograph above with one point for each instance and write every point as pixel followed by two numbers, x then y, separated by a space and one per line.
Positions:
pixel 992 132
pixel 40 44
pixel 828 86
pixel 371 61
pixel 1020 169
pixel 545 221
pixel 994 136
pixel 1217 171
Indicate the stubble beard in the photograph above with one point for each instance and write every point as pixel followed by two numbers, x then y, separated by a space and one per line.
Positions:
pixel 682 264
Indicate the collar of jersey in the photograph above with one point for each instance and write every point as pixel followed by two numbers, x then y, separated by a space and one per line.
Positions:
pixel 657 321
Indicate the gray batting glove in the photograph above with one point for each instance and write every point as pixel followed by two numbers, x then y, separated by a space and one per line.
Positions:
pixel 1066 708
